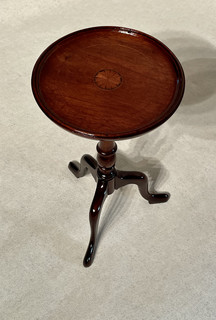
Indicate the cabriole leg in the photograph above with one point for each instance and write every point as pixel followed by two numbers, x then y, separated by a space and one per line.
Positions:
pixel 94 215
pixel 87 163
pixel 140 179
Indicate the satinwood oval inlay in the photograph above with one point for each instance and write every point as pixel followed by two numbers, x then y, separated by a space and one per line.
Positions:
pixel 108 79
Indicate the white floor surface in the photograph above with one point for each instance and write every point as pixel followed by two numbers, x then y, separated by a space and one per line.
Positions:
pixel 153 261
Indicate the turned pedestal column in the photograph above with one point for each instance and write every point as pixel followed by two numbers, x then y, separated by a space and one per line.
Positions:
pixel 108 84
pixel 108 179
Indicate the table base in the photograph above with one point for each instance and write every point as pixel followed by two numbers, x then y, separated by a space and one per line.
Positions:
pixel 108 180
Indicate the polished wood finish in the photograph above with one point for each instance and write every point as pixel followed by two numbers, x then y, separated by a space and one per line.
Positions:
pixel 108 79
pixel 108 180
pixel 108 83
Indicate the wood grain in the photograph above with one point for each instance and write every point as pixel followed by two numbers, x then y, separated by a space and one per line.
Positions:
pixel 108 83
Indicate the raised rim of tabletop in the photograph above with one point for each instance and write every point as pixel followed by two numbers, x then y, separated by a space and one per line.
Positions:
pixel 180 80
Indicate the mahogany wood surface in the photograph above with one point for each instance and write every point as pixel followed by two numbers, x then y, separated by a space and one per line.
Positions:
pixel 107 183
pixel 108 83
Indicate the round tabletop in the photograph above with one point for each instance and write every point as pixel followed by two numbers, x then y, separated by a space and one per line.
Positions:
pixel 108 83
